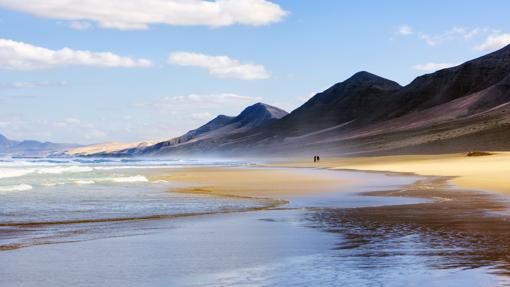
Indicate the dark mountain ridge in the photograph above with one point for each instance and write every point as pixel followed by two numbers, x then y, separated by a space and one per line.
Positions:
pixel 355 99
pixel 369 114
pixel 448 84
pixel 214 132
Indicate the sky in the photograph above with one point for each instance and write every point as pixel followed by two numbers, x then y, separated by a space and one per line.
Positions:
pixel 92 71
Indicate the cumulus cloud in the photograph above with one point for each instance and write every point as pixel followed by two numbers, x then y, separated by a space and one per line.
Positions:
pixel 140 14
pixel 432 67
pixel 220 66
pixel 494 42
pixel 405 30
pixel 22 56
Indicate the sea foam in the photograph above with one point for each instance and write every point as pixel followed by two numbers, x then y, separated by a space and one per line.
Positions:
pixel 18 187
pixel 127 179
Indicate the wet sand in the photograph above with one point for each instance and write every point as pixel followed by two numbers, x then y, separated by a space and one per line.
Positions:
pixel 456 238
pixel 274 183
pixel 459 229
pixel 488 173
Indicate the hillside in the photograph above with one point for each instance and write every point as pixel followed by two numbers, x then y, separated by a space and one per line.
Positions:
pixel 456 109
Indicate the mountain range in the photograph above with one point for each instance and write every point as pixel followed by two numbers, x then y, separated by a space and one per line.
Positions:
pixel 456 109
pixel 30 147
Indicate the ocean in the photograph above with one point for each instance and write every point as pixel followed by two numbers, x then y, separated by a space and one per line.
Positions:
pixel 41 198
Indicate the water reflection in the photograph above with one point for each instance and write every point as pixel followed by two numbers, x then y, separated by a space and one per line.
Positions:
pixel 460 230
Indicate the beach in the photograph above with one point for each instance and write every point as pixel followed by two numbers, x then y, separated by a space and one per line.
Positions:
pixel 319 224
pixel 488 172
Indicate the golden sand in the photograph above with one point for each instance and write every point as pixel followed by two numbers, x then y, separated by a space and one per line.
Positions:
pixel 490 173
pixel 255 182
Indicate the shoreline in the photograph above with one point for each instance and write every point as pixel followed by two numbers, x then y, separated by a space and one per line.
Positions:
pixel 452 233
pixel 476 172
pixel 468 222
pixel 270 196
pixel 273 195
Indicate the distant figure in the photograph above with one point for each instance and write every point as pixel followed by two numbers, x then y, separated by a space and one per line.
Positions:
pixel 315 159
pixel 318 158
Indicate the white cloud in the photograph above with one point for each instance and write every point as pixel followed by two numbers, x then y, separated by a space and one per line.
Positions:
pixel 80 25
pixel 432 67
pixel 22 56
pixel 140 14
pixel 454 33
pixel 31 85
pixel 220 66
pixel 494 42
pixel 184 113
pixel 202 116
pixel 21 127
pixel 405 30
pixel 201 101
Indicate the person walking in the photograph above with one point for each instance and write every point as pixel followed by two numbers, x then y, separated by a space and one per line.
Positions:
pixel 315 158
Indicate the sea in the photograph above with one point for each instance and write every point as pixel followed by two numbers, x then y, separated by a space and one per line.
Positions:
pixel 41 199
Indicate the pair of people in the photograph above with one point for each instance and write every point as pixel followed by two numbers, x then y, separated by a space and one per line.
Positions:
pixel 316 158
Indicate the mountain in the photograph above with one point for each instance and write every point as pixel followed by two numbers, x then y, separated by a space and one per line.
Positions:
pixel 212 134
pixel 449 84
pixel 5 142
pixel 457 109
pixel 355 100
pixel 30 147
pixel 105 148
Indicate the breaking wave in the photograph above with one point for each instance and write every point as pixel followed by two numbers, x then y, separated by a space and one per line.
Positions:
pixel 18 187
pixel 127 179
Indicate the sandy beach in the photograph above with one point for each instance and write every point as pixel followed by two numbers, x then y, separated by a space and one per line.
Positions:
pixel 274 183
pixel 402 227
pixel 488 173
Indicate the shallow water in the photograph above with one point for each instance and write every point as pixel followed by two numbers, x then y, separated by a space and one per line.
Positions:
pixel 286 247
pixel 38 197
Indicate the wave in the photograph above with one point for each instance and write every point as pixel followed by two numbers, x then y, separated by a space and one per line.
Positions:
pixel 22 171
pixel 63 169
pixel 267 204
pixel 84 181
pixel 127 179
pixel 8 172
pixel 18 187
pixel 115 167
pixel 101 180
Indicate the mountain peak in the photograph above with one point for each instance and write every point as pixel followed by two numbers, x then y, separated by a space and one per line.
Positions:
pixel 364 78
pixel 262 107
pixel 4 140
pixel 259 113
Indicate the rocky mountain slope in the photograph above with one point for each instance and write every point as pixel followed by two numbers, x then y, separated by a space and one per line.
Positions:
pixel 452 110
pixel 213 134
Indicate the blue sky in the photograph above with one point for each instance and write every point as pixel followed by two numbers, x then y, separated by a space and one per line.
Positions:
pixel 171 69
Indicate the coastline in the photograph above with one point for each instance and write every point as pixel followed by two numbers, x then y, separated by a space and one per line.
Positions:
pixel 238 247
pixel 287 245
pixel 477 173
